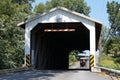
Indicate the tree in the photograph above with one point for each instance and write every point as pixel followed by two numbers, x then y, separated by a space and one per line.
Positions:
pixel 113 10
pixel 75 5
pixel 40 8
pixel 103 38
pixel 112 45
pixel 72 56
pixel 11 36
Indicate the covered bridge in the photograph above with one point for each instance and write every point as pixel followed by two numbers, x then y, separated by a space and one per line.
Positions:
pixel 50 37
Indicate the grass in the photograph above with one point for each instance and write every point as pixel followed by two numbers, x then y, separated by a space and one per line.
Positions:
pixel 108 61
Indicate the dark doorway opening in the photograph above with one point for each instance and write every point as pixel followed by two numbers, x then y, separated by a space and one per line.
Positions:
pixel 51 49
pixel 79 59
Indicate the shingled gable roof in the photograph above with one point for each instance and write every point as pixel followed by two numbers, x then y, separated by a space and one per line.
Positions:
pixel 22 24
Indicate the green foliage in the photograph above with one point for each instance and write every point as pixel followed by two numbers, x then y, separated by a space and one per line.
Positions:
pixel 75 5
pixel 11 36
pixel 109 61
pixel 40 8
pixel 113 10
pixel 104 34
pixel 112 45
pixel 72 57
pixel 115 47
pixel 53 4
pixel 117 60
pixel 103 38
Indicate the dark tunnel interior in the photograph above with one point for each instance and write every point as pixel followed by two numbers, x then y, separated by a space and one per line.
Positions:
pixel 52 48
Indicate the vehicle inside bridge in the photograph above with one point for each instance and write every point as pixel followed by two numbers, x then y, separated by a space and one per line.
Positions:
pixel 52 48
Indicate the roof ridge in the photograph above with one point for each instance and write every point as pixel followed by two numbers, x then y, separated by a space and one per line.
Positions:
pixel 60 8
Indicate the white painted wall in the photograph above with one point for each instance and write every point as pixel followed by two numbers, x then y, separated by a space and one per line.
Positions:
pixel 66 17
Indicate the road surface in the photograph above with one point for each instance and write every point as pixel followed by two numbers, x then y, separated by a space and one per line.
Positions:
pixel 55 75
pixel 76 65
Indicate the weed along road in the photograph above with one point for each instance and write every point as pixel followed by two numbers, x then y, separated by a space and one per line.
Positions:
pixel 55 75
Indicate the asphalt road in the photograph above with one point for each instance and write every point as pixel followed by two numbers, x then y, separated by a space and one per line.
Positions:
pixel 76 65
pixel 55 75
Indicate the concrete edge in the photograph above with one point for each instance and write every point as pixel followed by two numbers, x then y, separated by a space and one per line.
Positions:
pixel 14 70
pixel 95 69
pixel 111 72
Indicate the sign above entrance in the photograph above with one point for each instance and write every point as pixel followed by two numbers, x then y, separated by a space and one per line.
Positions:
pixel 59 30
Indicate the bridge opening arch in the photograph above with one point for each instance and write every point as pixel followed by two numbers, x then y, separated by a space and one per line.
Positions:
pixel 51 49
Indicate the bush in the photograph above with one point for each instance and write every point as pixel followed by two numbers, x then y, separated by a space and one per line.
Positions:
pixel 109 61
pixel 72 57
pixel 117 61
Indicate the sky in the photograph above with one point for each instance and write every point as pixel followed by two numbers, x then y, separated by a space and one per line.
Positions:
pixel 98 9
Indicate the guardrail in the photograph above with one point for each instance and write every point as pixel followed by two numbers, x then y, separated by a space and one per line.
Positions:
pixel 8 71
pixel 111 72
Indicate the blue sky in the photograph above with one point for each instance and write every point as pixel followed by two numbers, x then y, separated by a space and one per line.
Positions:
pixel 98 9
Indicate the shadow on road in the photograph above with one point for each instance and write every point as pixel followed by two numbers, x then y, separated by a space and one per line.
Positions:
pixel 32 75
pixel 55 75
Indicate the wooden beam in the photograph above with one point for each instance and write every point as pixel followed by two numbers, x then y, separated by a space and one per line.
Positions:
pixel 59 30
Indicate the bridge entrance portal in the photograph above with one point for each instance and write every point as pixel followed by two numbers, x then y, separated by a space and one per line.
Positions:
pixel 51 48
